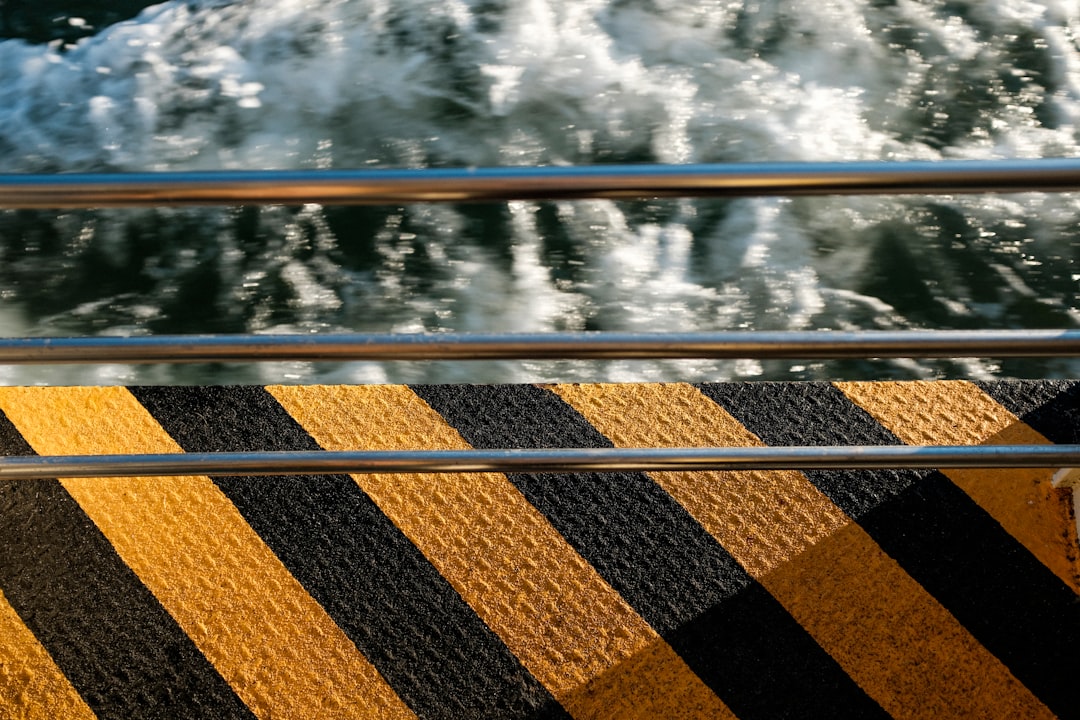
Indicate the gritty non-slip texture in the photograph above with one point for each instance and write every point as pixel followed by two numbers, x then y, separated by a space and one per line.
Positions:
pixel 570 628
pixel 731 632
pixel 1050 407
pixel 267 637
pixel 119 648
pixel 1004 596
pixel 688 594
pixel 377 586
pixel 851 597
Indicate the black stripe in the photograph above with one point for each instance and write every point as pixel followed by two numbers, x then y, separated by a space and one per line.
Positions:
pixel 431 647
pixel 1051 407
pixel 123 653
pixel 1004 596
pixel 729 630
pixel 814 413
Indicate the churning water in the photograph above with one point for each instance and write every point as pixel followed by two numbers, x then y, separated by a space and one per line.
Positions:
pixel 442 83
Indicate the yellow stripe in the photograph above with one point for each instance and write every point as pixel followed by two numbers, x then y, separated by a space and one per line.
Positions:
pixel 31 685
pixel 959 413
pixel 268 638
pixel 762 518
pixel 554 612
pixel 885 630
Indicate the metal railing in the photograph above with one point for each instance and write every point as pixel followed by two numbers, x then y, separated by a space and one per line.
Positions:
pixel 546 346
pixel 560 460
pixel 500 184
pixel 621 182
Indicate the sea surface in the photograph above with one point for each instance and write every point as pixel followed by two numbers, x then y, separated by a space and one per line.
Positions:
pixel 116 86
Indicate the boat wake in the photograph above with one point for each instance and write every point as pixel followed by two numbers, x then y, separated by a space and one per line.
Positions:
pixel 374 83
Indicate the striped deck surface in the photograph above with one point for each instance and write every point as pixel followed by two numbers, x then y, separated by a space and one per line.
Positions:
pixel 693 594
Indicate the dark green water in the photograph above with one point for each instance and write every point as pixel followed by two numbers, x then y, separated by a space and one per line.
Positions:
pixel 421 84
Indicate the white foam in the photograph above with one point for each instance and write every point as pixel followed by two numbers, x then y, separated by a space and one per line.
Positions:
pixel 364 83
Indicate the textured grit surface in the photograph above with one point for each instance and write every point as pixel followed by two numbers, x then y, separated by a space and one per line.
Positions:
pixel 690 594
pixel 118 647
pixel 730 631
pixel 399 611
pixel 1013 604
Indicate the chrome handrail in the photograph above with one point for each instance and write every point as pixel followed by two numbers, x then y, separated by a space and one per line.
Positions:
pixel 91 190
pixel 549 346
pixel 558 460
pixel 380 187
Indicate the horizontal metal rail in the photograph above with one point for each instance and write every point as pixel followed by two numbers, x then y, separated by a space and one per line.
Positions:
pixel 550 346
pixel 379 187
pixel 542 461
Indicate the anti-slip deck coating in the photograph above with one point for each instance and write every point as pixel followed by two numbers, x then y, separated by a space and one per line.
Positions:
pixel 688 594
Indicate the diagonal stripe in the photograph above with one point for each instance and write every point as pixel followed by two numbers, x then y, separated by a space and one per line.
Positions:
pixel 405 617
pixel 898 644
pixel 1002 595
pixel 185 540
pixel 122 652
pixel 959 413
pixel 763 518
pixel 572 631
pixel 731 633
pixel 31 686
pixel 1050 407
